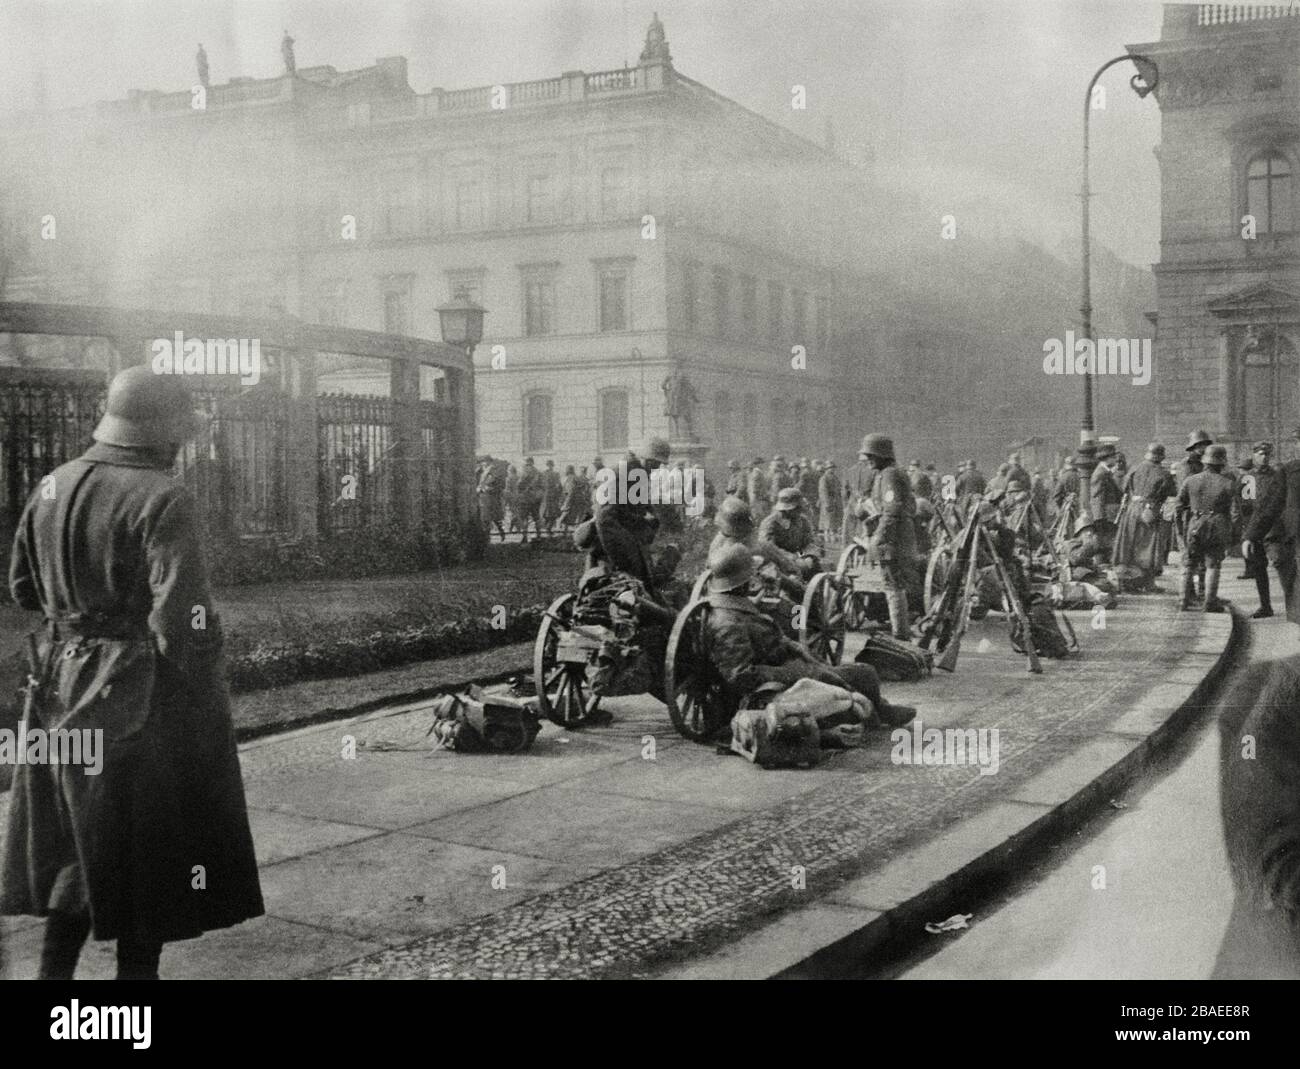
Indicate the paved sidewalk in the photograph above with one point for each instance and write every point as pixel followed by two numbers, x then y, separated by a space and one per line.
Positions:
pixel 628 851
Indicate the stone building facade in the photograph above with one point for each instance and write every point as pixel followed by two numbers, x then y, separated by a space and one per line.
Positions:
pixel 623 228
pixel 1228 280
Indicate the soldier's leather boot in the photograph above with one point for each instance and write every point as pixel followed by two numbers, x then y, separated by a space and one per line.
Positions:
pixel 899 622
pixel 1188 596
pixel 1212 602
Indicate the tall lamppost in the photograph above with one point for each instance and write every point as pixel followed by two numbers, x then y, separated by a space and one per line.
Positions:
pixel 1142 83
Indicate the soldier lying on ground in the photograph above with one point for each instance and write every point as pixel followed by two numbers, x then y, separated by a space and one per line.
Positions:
pixel 748 649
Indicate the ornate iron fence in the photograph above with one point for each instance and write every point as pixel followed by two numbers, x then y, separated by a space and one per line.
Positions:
pixel 355 462
pixel 439 439
pixel 237 466
pixel 46 419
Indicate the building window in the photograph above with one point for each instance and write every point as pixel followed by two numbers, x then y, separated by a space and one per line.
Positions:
pixel 722 420
pixel 775 299
pixel 690 288
pixel 1268 193
pixel 467 194
pixel 539 306
pixel 748 305
pixel 465 284
pixel 799 317
pixel 397 307
pixel 396 206
pixel 332 302
pixel 537 423
pixel 613 192
pixel 541 199
pixel 613 300
pixel 613 420
pixel 721 301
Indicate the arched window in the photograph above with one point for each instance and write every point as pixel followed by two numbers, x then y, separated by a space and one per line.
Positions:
pixel 1269 193
pixel 613 420
pixel 722 420
pixel 538 437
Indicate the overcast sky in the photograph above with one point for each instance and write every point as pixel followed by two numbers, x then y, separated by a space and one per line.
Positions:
pixel 967 102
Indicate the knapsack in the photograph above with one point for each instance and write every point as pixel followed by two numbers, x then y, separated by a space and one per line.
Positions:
pixel 894 660
pixel 1049 638
pixel 484 723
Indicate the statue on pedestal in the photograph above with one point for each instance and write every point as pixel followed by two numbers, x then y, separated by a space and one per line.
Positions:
pixel 680 400
pixel 202 60
pixel 286 50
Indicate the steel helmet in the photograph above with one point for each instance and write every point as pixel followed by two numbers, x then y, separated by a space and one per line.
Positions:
pixel 730 568
pixel 734 517
pixel 878 445
pixel 1216 456
pixel 1197 438
pixel 148 410
pixel 789 500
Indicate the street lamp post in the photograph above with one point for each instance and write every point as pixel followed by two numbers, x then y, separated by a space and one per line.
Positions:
pixel 1142 83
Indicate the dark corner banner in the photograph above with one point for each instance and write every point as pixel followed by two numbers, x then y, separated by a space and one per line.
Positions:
pixel 338 1017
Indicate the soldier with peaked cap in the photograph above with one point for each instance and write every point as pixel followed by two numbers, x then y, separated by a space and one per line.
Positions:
pixel 894 541
pixel 748 649
pixel 971 481
pixel 1206 500
pixel 1197 442
pixel 1148 485
pixel 1256 485
pixel 131 649
pixel 1275 525
pixel 1104 493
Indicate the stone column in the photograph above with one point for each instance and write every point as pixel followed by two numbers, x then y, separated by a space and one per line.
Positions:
pixel 407 485
pixel 304 459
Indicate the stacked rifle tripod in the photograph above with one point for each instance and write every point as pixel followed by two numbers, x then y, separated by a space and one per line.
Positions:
pixel 948 615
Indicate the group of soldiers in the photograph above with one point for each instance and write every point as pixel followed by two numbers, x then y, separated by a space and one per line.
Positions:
pixel 818 482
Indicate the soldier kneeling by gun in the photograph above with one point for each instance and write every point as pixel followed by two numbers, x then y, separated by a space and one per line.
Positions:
pixel 747 648
pixel 736 528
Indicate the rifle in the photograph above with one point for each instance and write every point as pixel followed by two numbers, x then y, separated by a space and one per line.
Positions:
pixel 948 662
pixel 1017 606
pixel 941 622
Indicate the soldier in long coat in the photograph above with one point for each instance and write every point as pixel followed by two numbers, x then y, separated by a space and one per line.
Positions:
pixel 552 493
pixel 759 491
pixel 1255 486
pixel 156 847
pixel 894 541
pixel 1148 485
pixel 830 500
pixel 1276 524
pixel 857 490
pixel 529 494
pixel 1206 499
pixel 736 481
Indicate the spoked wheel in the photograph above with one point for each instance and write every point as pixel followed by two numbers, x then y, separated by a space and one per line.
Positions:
pixel 854 601
pixel 562 692
pixel 821 625
pixel 697 700
pixel 937 572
